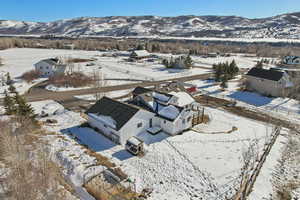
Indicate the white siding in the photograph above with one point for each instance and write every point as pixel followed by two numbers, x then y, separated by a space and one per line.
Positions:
pixel 44 68
pixel 47 69
pixel 131 127
pixel 103 128
pixel 265 87
pixel 179 125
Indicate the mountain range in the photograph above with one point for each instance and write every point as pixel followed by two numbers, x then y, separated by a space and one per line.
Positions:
pixel 285 26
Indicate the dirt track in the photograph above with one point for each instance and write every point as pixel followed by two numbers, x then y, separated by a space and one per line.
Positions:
pixel 39 95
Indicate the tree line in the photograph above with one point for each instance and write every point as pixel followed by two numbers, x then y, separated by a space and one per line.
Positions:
pixel 174 47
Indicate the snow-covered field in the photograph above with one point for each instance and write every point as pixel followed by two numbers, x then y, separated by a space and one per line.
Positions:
pixel 285 106
pixel 147 70
pixel 241 60
pixel 114 69
pixel 188 166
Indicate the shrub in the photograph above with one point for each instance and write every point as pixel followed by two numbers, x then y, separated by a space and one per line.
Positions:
pixel 76 79
pixel 31 75
pixel 79 60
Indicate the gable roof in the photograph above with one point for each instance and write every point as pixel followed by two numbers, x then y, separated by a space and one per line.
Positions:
pixel 141 90
pixel 273 75
pixel 50 61
pixel 183 98
pixel 121 113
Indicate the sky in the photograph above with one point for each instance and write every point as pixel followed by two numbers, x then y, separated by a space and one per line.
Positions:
pixel 50 10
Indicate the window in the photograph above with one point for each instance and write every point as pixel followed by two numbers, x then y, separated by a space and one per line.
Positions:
pixel 183 121
pixel 189 119
pixel 165 121
pixel 139 125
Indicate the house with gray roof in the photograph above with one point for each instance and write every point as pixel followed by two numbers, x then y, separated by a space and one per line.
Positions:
pixel 50 67
pixel 269 82
pixel 148 110
pixel 117 120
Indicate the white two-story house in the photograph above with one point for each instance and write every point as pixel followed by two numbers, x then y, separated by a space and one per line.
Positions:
pixel 50 67
pixel 147 111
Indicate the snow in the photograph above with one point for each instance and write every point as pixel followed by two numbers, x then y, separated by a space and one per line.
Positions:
pixel 161 97
pixel 154 129
pixel 61 89
pixel 134 141
pixel 187 166
pixel 113 94
pixel 141 53
pixel 19 60
pixel 263 186
pixel 104 119
pixel 202 163
pixel 290 108
pixel 170 112
pixel 21 86
pixel 48 107
pixel 183 98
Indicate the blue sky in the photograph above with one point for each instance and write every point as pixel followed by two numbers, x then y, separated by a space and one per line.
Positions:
pixel 49 10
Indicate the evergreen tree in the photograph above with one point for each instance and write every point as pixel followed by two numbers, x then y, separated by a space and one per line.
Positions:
pixel 224 80
pixel 12 89
pixel 8 79
pixel 188 62
pixel 23 108
pixel 140 47
pixel 9 104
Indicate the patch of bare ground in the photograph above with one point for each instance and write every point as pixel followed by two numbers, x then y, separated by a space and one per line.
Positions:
pixel 31 75
pixel 75 79
pixel 32 174
pixel 102 188
pixel 79 60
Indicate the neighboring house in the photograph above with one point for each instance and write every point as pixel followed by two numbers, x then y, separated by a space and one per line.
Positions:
pixel 268 82
pixel 148 110
pixel 139 54
pixel 291 60
pixel 50 67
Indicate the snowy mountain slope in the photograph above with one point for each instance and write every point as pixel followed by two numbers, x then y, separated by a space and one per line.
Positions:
pixel 281 26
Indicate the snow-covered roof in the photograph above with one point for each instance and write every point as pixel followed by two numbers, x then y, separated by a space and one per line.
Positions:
pixel 105 119
pixel 170 112
pixel 141 53
pixel 51 61
pixel 134 141
pixel 161 97
pixel 183 98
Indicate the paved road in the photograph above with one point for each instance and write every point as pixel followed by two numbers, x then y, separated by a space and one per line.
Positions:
pixel 39 94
